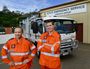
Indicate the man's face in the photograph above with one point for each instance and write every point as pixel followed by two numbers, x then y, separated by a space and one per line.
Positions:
pixel 49 27
pixel 18 33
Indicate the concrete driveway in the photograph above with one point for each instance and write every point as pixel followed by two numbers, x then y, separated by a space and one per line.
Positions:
pixel 80 60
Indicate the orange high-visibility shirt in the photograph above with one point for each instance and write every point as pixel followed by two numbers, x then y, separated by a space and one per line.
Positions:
pixel 49 47
pixel 19 51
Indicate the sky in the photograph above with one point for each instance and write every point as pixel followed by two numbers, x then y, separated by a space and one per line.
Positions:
pixel 29 5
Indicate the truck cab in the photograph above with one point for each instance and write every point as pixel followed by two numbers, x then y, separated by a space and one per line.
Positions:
pixel 64 26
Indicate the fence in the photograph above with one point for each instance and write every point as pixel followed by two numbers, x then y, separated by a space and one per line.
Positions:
pixel 4 38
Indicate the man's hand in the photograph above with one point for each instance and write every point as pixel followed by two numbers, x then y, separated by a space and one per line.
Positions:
pixel 11 63
pixel 26 61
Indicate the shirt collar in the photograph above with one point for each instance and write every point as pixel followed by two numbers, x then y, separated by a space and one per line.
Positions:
pixel 52 33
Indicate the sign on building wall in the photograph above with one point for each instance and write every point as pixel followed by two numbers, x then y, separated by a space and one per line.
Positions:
pixel 68 10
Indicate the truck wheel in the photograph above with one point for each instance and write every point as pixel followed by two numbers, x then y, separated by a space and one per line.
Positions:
pixel 74 52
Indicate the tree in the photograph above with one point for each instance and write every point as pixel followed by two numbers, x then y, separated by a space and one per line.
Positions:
pixel 5 9
pixel 8 18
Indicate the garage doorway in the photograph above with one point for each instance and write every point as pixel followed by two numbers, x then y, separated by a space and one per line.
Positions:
pixel 79 32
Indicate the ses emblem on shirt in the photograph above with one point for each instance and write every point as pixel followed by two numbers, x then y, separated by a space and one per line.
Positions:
pixel 44 40
pixel 13 46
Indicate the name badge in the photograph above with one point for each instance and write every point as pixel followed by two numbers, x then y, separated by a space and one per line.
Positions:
pixel 44 41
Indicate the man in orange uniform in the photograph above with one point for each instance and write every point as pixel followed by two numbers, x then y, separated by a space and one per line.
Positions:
pixel 20 49
pixel 49 47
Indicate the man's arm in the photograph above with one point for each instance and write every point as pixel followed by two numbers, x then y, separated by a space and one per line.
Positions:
pixel 56 45
pixel 4 53
pixel 33 51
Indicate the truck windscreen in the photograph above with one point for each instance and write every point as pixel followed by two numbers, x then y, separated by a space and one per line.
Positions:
pixel 64 26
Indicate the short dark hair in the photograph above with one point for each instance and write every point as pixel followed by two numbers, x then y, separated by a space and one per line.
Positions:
pixel 18 27
pixel 49 21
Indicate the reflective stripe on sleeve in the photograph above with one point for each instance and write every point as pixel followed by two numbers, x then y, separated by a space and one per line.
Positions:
pixel 18 54
pixel 33 47
pixel 4 47
pixel 56 43
pixel 32 54
pixel 52 48
pixel 52 44
pixel 50 54
pixel 19 63
pixel 3 57
pixel 48 44
pixel 40 47
pixel 40 40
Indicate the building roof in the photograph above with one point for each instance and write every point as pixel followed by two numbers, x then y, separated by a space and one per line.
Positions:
pixel 63 4
pixel 52 18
